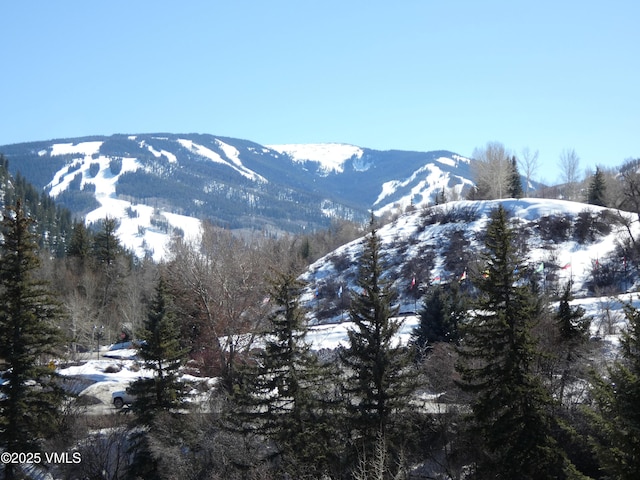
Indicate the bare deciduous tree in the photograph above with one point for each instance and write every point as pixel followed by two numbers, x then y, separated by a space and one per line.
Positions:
pixel 491 170
pixel 629 194
pixel 529 165
pixel 569 167
pixel 219 286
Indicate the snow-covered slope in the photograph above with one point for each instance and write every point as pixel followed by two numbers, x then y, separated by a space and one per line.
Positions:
pixel 143 229
pixel 330 157
pixel 564 240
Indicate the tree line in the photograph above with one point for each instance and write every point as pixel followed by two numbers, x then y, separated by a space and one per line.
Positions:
pixel 499 173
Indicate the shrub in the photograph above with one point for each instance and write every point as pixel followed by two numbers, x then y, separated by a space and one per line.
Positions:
pixel 588 225
pixel 450 214
pixel 341 262
pixel 113 369
pixel 555 228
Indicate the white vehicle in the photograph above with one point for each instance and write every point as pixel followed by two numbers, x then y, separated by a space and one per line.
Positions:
pixel 121 398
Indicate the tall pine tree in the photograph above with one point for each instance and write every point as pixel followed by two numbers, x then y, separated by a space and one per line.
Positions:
pixel 29 398
pixel 377 382
pixel 106 246
pixel 617 397
pixel 285 395
pixel 510 420
pixel 440 317
pixel 79 244
pixel 515 180
pixel 573 329
pixel 161 353
pixel 596 194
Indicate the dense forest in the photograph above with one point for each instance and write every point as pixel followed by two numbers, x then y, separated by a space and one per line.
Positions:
pixel 498 380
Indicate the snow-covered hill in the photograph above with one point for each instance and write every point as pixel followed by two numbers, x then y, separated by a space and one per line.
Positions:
pixel 564 240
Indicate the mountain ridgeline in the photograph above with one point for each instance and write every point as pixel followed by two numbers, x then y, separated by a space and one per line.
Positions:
pixel 233 183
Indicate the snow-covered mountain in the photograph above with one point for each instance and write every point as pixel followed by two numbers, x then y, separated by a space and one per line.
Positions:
pixel 564 240
pixel 158 185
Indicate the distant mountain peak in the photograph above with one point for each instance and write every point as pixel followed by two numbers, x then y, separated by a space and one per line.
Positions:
pixel 162 184
pixel 330 156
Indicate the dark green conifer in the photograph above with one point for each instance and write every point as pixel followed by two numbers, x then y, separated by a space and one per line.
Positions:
pixel 106 245
pixel 79 244
pixel 617 397
pixel 286 394
pixel 377 382
pixel 29 398
pixel 596 195
pixel 572 324
pixel 442 312
pixel 515 180
pixel 510 420
pixel 161 353
pixel 573 329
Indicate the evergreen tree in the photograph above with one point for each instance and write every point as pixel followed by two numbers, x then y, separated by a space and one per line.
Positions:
pixel 112 265
pixel 572 325
pixel 596 195
pixel 106 246
pixel 510 420
pixel 377 381
pixel 29 398
pixel 285 394
pixel 161 353
pixel 440 317
pixel 515 181
pixel 617 399
pixel 80 242
pixel 573 330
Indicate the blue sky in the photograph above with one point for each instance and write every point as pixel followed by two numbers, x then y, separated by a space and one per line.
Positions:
pixel 410 75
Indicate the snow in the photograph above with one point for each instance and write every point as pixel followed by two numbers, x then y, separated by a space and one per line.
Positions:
pixel 332 336
pixel 330 156
pixel 137 233
pixel 106 370
pixel 450 162
pixel 170 156
pixel 229 151
pixel 153 240
pixel 83 148
pixel 423 185
pixel 432 180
